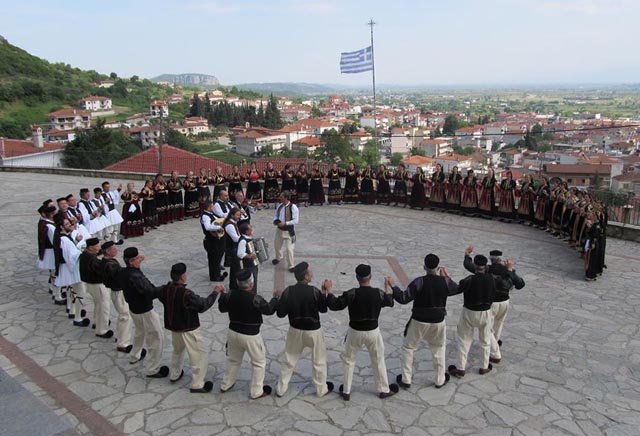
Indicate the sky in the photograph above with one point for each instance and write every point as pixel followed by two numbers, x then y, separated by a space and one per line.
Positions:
pixel 422 42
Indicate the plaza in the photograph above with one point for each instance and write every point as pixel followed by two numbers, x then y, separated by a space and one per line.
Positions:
pixel 571 349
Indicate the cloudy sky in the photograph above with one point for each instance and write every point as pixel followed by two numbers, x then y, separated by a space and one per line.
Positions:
pixel 421 42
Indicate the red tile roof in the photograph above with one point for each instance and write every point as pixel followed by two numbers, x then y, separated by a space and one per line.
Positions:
pixel 577 169
pixel 631 176
pixel 18 147
pixel 64 113
pixel 309 141
pixel 173 158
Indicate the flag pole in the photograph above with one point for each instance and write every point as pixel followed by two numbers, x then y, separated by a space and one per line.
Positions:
pixel 372 23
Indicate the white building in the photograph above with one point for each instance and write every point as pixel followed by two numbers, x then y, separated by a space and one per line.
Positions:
pixel 158 107
pixel 34 153
pixel 192 126
pixel 253 140
pixel 69 119
pixel 400 142
pixel 96 103
pixel 436 147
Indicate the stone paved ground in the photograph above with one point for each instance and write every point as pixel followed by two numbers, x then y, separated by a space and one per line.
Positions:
pixel 571 350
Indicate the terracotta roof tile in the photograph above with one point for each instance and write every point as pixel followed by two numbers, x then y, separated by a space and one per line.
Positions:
pixel 18 147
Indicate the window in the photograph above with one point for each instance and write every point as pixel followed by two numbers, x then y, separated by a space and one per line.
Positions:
pixel 569 181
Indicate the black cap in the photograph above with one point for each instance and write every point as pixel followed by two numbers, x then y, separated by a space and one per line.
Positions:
pixel 480 260
pixel 92 241
pixel 495 253
pixel 431 261
pixel 108 245
pixel 178 269
pixel 243 275
pixel 130 253
pixel 363 270
pixel 49 209
pixel 300 269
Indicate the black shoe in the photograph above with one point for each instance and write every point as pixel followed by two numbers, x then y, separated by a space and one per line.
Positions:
pixel 60 302
pixel 63 294
pixel 126 349
pixel 393 389
pixel 266 391
pixel 401 383
pixel 447 377
pixel 344 396
pixel 275 261
pixel 107 335
pixel 483 371
pixel 85 322
pixel 494 360
pixel 71 316
pixel 499 342
pixel 162 372
pixel 68 310
pixel 143 353
pixel 456 372
pixel 204 389
pixel 179 377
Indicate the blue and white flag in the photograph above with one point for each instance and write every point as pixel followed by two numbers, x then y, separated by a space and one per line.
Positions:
pixel 356 61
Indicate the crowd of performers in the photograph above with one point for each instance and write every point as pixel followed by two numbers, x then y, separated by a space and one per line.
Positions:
pixel 88 265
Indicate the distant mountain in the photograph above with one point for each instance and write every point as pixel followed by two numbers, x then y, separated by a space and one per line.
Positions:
pixel 188 79
pixel 293 89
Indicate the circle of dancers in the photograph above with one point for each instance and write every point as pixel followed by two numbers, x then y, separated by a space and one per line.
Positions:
pixel 79 239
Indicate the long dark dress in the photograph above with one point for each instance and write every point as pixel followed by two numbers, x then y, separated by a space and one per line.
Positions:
pixel 149 207
pixel 506 204
pixel 254 191
pixel 302 186
pixel 367 194
pixel 316 190
pixel 133 219
pixel 487 202
pixel 162 202
pixel 469 197
pixel 271 186
pixel 527 198
pixel 218 185
pixel 540 217
pixel 400 187
pixel 437 189
pixel 204 193
pixel 289 184
pixel 351 186
pixel 418 195
pixel 191 203
pixel 592 251
pixel 384 190
pixel 335 189
pixel 176 201
pixel 453 189
pixel 235 184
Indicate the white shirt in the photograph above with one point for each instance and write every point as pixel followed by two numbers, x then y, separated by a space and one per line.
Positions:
pixel 232 232
pixel 242 247
pixel 217 209
pixel 280 211
pixel 207 222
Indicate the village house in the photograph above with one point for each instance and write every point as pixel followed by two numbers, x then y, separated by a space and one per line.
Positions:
pixel 253 140
pixel 69 119
pixel 159 108
pixel 96 103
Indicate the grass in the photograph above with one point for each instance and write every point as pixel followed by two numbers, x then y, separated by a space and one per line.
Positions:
pixel 229 157
pixel 208 148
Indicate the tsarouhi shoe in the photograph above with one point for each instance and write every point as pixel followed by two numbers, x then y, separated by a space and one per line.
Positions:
pixel 204 389
pixel 483 371
pixel 456 372
pixel 108 334
pixel 266 391
pixel 126 349
pixel 401 383
pixel 344 396
pixel 179 377
pixel 85 322
pixel 494 360
pixel 143 353
pixel 447 377
pixel 162 372
pixel 393 389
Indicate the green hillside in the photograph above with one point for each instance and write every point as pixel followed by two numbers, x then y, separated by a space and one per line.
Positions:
pixel 31 87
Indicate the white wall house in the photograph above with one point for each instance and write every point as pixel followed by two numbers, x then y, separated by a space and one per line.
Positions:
pixel 96 103
pixel 252 141
pixel 69 119
pixel 158 107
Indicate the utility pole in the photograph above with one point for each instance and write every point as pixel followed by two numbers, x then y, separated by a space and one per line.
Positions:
pixel 372 23
pixel 160 146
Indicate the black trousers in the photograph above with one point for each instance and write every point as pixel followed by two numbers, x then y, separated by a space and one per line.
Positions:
pixel 215 249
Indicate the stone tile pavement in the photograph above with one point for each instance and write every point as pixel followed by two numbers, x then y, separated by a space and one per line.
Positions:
pixel 571 353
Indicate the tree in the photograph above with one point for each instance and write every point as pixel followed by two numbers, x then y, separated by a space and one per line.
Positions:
pixel 336 147
pixel 536 131
pixel 530 142
pixel 315 112
pixel 197 107
pixel 98 147
pixel 134 79
pixel 265 151
pixel 177 139
pixel 396 158
pixel 272 118
pixel 260 116
pixel 371 153
pixel 451 124
pixel 465 151
pixel 415 151
pixel 113 76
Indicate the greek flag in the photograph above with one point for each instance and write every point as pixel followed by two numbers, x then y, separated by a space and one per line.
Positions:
pixel 356 61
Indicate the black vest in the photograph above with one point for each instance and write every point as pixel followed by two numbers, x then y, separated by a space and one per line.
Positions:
pixel 207 234
pixel 244 317
pixel 88 272
pixel 177 317
pixel 109 203
pixel 430 302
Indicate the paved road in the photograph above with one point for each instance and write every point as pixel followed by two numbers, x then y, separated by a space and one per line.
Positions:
pixel 571 354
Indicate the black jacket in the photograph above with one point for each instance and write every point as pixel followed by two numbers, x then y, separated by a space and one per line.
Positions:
pixel 303 304
pixel 139 292
pixel 245 310
pixel 364 305
pixel 429 295
pixel 181 307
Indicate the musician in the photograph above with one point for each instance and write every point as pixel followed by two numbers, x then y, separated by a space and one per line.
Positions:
pixel 213 242
pixel 161 194
pixel 247 252
pixel 245 310
pixel 246 209
pixel 335 188
pixel 232 236
pixel 365 304
pixel 303 303
pixel 139 293
pixel 479 293
pixel 176 201
pixel 285 218
pixel 235 181
pixel 429 295
pixel 222 205
pixel 401 178
pixel 181 309
pixel 218 182
pixel 191 203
